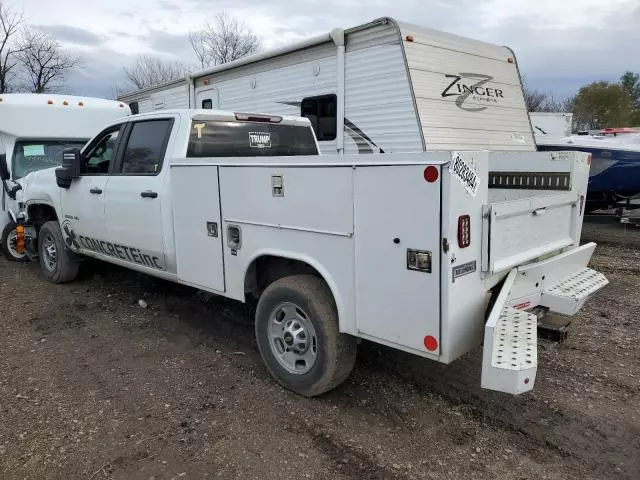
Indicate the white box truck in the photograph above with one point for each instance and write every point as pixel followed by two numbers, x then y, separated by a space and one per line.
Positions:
pixel 427 252
pixel 34 129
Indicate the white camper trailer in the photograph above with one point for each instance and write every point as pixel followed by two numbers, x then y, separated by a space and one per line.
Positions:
pixel 385 86
pixel 169 95
pixel 34 129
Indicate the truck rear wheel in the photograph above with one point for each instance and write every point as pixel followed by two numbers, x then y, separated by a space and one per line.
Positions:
pixel 298 337
pixel 57 263
pixel 8 244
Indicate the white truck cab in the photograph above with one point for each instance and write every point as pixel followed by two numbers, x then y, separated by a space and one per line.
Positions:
pixel 34 129
pixel 432 252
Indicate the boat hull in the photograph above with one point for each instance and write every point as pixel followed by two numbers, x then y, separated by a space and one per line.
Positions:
pixel 614 173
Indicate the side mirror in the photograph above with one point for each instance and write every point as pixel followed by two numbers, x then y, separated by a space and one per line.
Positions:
pixel 4 168
pixel 70 168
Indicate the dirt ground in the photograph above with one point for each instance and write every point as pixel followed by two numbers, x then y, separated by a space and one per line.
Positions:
pixel 92 386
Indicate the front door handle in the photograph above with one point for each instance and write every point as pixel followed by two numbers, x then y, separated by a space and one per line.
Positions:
pixel 96 191
pixel 149 194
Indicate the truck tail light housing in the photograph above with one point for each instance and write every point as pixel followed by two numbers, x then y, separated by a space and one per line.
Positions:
pixel 250 117
pixel 464 231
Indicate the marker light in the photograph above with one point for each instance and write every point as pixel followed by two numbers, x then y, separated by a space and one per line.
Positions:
pixel 464 231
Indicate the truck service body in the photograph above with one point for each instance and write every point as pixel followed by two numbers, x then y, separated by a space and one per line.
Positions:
pixel 429 252
pixel 34 129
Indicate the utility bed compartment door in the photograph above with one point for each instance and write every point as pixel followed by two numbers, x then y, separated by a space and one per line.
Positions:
pixel 196 220
pixel 518 231
pixel 397 219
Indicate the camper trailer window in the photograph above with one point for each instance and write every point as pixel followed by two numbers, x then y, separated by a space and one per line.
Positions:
pixel 207 104
pixel 145 148
pixel 33 155
pixel 321 111
pixel 134 108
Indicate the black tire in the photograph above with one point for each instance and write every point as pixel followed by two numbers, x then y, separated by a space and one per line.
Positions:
pixel 336 352
pixel 5 247
pixel 66 265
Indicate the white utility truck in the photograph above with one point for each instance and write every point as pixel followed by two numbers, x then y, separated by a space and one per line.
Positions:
pixel 34 129
pixel 427 252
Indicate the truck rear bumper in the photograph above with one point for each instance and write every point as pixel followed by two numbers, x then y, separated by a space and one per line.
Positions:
pixel 561 283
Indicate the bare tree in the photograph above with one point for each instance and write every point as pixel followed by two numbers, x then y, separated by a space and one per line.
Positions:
pixel 10 25
pixel 223 40
pixel 537 101
pixel 148 71
pixel 44 63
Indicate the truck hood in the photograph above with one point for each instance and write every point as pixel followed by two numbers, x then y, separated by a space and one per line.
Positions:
pixel 38 186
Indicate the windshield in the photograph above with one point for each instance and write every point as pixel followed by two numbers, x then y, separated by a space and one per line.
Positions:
pixel 33 155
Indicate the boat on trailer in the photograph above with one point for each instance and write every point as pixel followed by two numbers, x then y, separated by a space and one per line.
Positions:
pixel 615 167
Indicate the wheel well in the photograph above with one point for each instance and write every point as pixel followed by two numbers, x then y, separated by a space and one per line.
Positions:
pixel 40 213
pixel 267 269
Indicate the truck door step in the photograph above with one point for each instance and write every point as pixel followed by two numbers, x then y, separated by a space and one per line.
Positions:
pixel 569 294
pixel 511 342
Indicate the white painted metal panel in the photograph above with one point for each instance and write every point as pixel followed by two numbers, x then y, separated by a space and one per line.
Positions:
pixel 176 97
pixel 393 303
pixel 277 63
pixel 467 92
pixel 312 223
pixel 464 297
pixel 378 34
pixel 317 199
pixel 521 230
pixel 378 102
pixel 145 105
pixel 198 253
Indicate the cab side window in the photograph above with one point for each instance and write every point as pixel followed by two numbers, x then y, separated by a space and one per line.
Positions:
pixel 145 148
pixel 99 156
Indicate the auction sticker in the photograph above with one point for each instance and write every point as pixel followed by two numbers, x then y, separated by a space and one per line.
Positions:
pixel 465 173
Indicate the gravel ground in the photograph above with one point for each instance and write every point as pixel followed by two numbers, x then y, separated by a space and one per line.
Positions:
pixel 92 386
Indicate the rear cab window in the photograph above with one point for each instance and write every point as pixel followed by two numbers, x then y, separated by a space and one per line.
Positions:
pixel 222 138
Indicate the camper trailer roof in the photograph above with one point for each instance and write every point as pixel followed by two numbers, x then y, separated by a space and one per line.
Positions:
pixel 30 115
pixel 434 37
pixel 336 36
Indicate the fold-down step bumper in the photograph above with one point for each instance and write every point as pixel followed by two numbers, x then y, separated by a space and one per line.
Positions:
pixel 562 283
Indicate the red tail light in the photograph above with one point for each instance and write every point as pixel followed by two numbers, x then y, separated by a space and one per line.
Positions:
pixel 248 117
pixel 464 231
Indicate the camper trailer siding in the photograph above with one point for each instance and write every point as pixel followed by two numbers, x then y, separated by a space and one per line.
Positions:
pixel 279 90
pixel 378 101
pixel 468 93
pixel 374 34
pixel 171 95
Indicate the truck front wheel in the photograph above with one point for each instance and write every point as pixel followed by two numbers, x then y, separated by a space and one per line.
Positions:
pixel 298 337
pixel 8 244
pixel 57 263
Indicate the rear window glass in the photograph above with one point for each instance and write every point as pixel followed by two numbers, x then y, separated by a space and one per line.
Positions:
pixel 213 138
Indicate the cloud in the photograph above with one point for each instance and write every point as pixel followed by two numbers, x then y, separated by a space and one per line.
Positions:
pixel 560 45
pixel 172 45
pixel 75 35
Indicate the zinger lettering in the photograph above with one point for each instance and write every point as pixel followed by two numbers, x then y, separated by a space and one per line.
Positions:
pixel 477 91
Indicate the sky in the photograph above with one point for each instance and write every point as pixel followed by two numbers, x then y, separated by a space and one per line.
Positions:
pixel 560 44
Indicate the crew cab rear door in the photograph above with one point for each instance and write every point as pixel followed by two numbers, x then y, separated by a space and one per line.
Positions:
pixel 136 194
